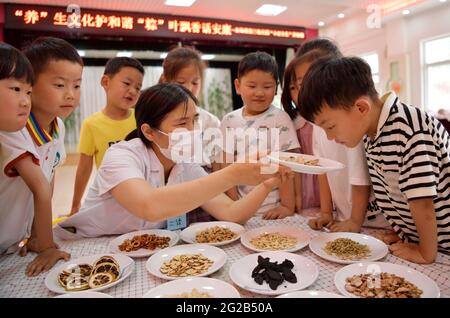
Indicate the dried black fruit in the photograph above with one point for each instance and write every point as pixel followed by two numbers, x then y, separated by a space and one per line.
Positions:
pixel 274 284
pixel 288 264
pixel 273 273
pixel 258 269
pixel 259 279
pixel 289 276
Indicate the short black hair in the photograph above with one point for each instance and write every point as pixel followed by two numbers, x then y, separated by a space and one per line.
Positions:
pixel 114 65
pixel 324 45
pixel 13 64
pixel 337 82
pixel 261 61
pixel 46 49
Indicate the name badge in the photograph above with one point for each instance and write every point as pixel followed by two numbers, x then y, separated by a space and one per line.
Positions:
pixel 176 223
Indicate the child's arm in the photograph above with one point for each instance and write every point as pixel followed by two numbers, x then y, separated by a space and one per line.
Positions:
pixel 84 171
pixel 424 216
pixel 360 201
pixel 287 202
pixel 288 196
pixel 225 209
pixel 233 192
pixel 42 242
pixel 215 166
pixel 298 188
pixel 326 205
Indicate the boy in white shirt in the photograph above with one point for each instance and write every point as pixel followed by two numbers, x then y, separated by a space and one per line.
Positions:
pixel 407 151
pixel 348 192
pixel 29 157
pixel 16 78
pixel 257 83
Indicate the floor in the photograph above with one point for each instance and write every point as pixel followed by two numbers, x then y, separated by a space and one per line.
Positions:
pixel 64 184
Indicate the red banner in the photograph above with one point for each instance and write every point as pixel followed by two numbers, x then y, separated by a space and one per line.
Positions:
pixel 86 21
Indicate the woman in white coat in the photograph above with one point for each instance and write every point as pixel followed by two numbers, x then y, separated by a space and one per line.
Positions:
pixel 142 184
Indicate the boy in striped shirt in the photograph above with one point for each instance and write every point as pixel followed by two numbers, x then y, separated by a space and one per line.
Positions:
pixel 407 150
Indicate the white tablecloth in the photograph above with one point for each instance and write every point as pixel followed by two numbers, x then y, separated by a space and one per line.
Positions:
pixel 14 283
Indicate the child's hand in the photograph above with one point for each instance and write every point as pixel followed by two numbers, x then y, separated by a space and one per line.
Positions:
pixel 33 246
pixel 272 183
pixel 388 237
pixel 45 260
pixel 346 226
pixel 277 213
pixel 408 251
pixel 325 219
pixel 75 208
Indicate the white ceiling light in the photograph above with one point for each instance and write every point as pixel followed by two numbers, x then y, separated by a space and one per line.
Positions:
pixel 406 12
pixel 442 0
pixel 179 3
pixel 124 54
pixel 270 10
pixel 208 57
pixel 321 23
pixel 341 15
pixel 81 53
pixel 163 55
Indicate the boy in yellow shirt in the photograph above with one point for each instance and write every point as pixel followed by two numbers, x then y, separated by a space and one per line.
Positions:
pixel 122 81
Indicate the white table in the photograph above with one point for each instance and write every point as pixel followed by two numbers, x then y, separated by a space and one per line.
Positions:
pixel 14 283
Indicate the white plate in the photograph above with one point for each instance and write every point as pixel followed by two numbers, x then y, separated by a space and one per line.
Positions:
pixel 325 165
pixel 378 249
pixel 301 236
pixel 188 234
pixel 426 284
pixel 215 254
pixel 305 270
pixel 126 268
pixel 216 288
pixel 114 244
pixel 310 294
pixel 85 294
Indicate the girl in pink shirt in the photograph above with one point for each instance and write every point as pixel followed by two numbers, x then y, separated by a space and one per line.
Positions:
pixel 306 186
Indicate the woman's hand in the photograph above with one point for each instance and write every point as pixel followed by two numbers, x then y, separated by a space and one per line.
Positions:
pixel 256 173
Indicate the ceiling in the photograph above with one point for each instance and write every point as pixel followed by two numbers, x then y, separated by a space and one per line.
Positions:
pixel 305 13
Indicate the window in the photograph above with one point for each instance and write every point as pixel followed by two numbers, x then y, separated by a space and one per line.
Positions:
pixel 436 70
pixel 372 60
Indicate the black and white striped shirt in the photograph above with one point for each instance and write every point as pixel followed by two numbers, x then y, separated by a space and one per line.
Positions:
pixel 409 158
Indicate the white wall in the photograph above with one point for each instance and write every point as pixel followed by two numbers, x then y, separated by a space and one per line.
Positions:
pixel 421 27
pixel 397 40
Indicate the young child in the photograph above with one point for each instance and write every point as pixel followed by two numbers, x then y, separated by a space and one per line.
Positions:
pixel 184 66
pixel 407 150
pixel 306 185
pixel 140 185
pixel 35 151
pixel 320 44
pixel 16 78
pixel 349 190
pixel 122 82
pixel 257 84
